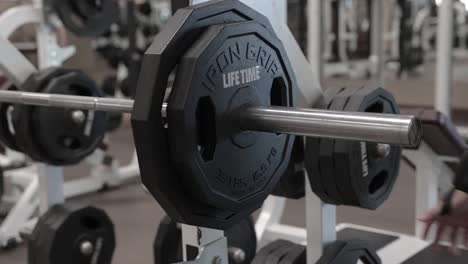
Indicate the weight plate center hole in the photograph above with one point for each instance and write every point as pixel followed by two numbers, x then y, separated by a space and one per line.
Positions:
pixel 278 93
pixel 206 128
pixel 378 182
pixel 90 223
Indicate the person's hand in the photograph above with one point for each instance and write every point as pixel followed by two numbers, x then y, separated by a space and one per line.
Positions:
pixel 456 223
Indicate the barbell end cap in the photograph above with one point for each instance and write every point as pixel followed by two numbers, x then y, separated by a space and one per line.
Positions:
pixel 415 133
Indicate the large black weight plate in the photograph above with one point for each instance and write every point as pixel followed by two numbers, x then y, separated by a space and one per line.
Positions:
pixel 7 136
pixel 366 177
pixel 312 151
pixel 168 242
pixel 150 135
pixel 292 183
pixel 230 67
pixel 88 18
pixel 343 252
pixel 68 235
pixel 326 163
pixel 59 136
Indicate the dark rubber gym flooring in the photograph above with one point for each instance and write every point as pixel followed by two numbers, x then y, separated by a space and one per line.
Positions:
pixel 136 214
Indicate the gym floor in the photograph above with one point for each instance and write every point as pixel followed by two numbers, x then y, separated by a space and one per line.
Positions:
pixel 136 215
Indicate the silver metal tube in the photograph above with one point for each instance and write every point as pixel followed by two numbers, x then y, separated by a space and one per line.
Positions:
pixel 68 101
pixel 444 59
pixel 382 128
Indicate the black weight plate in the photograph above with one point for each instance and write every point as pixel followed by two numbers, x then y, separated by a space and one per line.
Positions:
pixel 2 184
pixel 168 242
pixel 150 135
pixel 63 139
pixel 230 67
pixel 312 150
pixel 109 86
pixel 114 121
pixel 242 236
pixel 7 136
pixel 89 18
pixel 22 115
pixel 266 251
pixel 59 235
pixel 292 183
pixel 326 162
pixel 366 179
pixel 352 251
pixel 297 255
pixel 280 253
pixel 167 245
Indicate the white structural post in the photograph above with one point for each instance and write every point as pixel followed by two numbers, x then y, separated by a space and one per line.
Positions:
pixel 443 88
pixel 315 36
pixel 377 40
pixel 320 225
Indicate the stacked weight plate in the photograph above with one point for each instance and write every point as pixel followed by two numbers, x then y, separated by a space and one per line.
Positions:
pixel 353 173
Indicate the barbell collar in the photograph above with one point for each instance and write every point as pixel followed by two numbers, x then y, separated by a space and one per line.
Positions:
pixel 400 130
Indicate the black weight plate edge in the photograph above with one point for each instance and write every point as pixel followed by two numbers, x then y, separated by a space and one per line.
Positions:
pixel 243 236
pixel 312 149
pixel 40 243
pixel 6 137
pixel 292 184
pixel 264 252
pixel 147 124
pixel 331 252
pixel 359 248
pixel 22 115
pixel 297 255
pixel 341 150
pixel 280 253
pixel 167 243
pixel 327 164
pixel 99 119
pixel 366 96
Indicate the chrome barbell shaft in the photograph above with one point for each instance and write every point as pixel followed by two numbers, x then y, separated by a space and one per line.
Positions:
pixel 382 128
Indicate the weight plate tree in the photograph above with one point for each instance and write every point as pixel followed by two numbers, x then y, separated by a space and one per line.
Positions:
pixel 241 238
pixel 349 172
pixel 76 236
pixel 59 136
pixel 248 110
